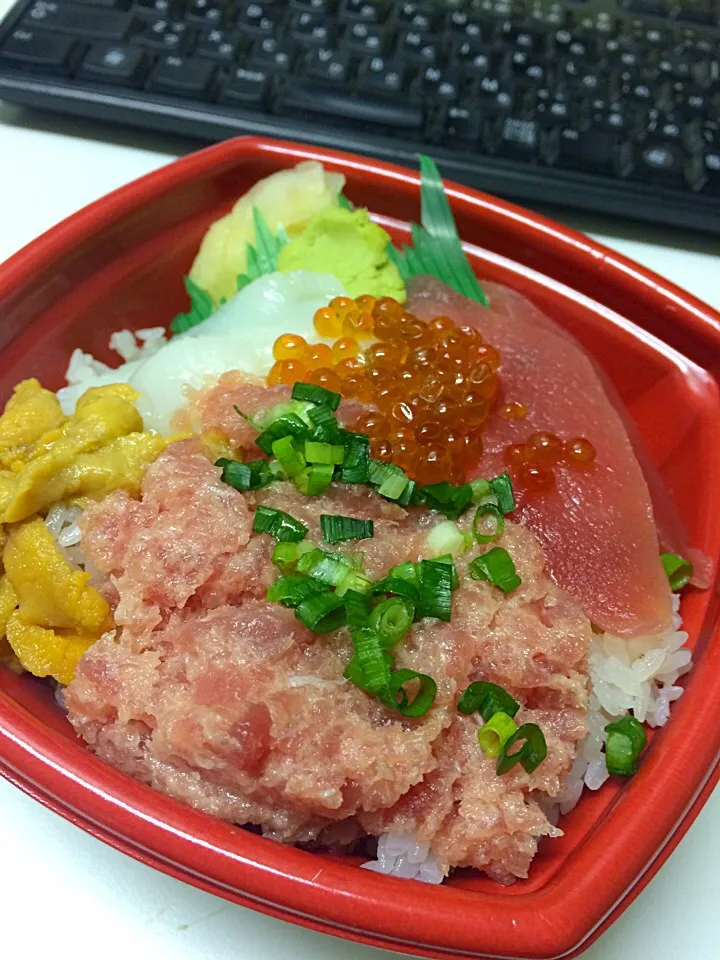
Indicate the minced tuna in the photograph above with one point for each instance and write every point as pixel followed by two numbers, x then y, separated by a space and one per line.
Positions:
pixel 223 700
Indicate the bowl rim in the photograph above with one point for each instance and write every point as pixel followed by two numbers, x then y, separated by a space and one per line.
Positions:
pixel 555 921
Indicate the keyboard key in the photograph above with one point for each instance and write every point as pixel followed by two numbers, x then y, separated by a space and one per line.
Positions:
pixel 84 23
pixel 361 11
pixel 318 7
pixel 39 50
pixel 206 13
pixel 275 56
pixel 110 4
pixel 417 48
pixel 712 173
pixel 182 77
pixel 441 85
pixel 654 8
pixel 595 150
pixel 155 9
pixel 308 98
pixel 363 39
pixel 310 31
pixel 257 20
pixel 518 138
pixel 219 45
pixel 330 66
pixel 380 76
pixel 245 88
pixel 416 16
pixel 462 126
pixel 115 63
pixel 164 36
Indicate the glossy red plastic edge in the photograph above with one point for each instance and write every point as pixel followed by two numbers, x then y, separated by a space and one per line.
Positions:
pixel 616 840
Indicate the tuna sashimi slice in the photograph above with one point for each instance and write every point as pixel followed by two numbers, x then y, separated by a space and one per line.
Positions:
pixel 596 526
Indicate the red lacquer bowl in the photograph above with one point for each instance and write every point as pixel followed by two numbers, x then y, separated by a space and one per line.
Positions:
pixel 120 263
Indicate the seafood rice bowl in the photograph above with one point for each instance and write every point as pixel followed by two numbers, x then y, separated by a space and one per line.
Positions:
pixel 361 553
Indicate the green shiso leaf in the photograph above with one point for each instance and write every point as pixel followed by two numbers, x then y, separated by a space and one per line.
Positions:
pixel 201 306
pixel 263 257
pixel 437 249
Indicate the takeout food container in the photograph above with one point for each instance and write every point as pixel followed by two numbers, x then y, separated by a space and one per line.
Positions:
pixel 119 263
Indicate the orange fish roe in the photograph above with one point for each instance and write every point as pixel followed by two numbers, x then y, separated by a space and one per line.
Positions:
pixel 513 411
pixel 533 462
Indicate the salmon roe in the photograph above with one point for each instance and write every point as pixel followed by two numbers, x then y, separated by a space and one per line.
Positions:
pixel 432 387
pixel 533 462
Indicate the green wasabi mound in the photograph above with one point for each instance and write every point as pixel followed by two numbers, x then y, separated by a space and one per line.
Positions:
pixel 348 245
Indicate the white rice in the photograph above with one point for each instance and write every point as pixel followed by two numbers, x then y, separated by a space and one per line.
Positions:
pixel 628 678
pixel 130 346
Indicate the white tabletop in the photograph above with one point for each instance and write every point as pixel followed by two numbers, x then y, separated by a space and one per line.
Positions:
pixel 85 899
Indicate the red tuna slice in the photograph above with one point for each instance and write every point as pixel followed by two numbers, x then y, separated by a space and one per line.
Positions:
pixel 597 525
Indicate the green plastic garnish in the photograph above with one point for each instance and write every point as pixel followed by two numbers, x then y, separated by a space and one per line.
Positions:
pixel 436 248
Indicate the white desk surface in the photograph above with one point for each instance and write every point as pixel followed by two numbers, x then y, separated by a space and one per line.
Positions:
pixel 83 899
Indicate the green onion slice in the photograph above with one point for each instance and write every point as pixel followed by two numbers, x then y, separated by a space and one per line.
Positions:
pixel 337 529
pixel 294 588
pixel 488 523
pixel 435 590
pixel 497 567
pixel 285 555
pixel 318 395
pixel 397 698
pixel 325 427
pixel 624 743
pixel 355 581
pixel 356 462
pixel 679 571
pixel 354 671
pixel 480 488
pixel 315 479
pixel 279 525
pixel 288 456
pixel 410 495
pixel 502 488
pixel 530 755
pixel 322 613
pixel 392 619
pixel 407 571
pixel 357 608
pixel 245 476
pixel 455 582
pixel 494 735
pixel 370 657
pixel 398 586
pixel 447 498
pixel 317 452
pixel 487 699
pixel 288 425
pixel 330 570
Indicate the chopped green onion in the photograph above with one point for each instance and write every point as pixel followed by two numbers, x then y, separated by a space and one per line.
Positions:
pixel 288 456
pixel 679 571
pixel 275 469
pixel 496 566
pixel 315 479
pixel 409 496
pixel 330 570
pixel 447 498
pixel 357 458
pixel 392 619
pixel 294 588
pixel 325 427
pixel 309 559
pixel 278 524
pixel 530 755
pixel 318 395
pixel 322 613
pixel 355 581
pixel 455 583
pixel 245 476
pixel 480 488
pixel 445 538
pixel 502 488
pixel 337 529
pixel 394 485
pixel 407 571
pixel 285 555
pixel 624 743
pixel 357 608
pixel 289 425
pixel 398 586
pixel 487 699
pixel 355 674
pixel 290 408
pixel 495 734
pixel 370 658
pixel 423 700
pixel 435 590
pixel 488 523
pixel 316 452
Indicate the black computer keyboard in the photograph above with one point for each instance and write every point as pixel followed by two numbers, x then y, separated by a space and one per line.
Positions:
pixel 610 105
